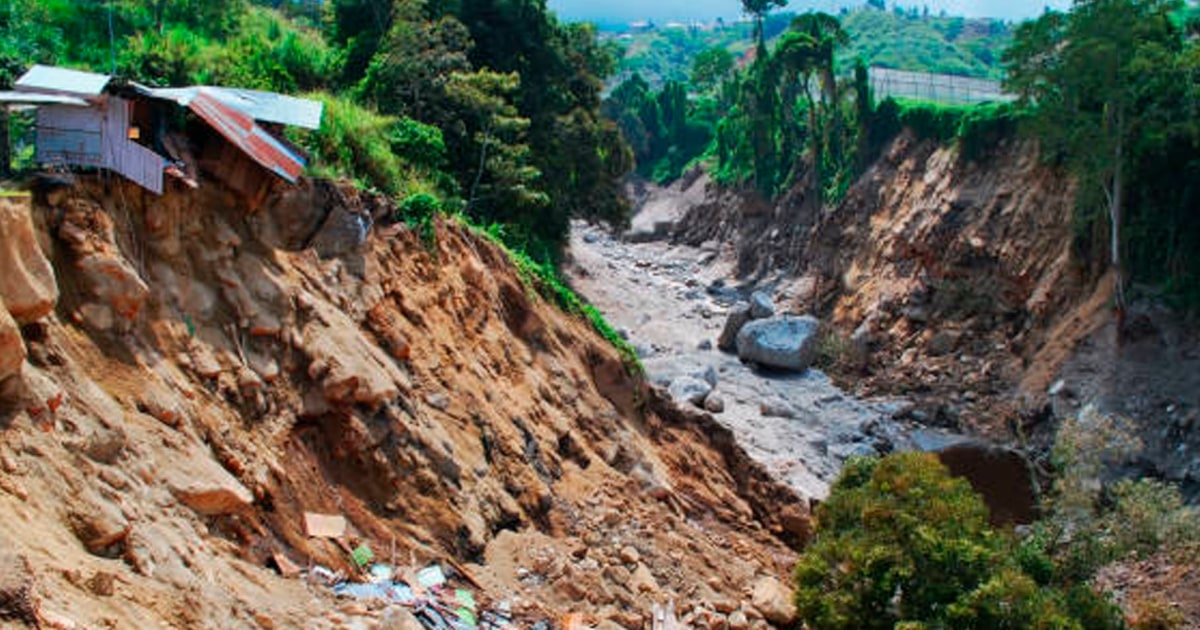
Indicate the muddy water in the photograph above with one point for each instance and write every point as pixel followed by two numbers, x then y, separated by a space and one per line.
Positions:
pixel 671 301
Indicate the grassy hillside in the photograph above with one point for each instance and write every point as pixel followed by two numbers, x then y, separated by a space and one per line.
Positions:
pixel 900 39
pixel 914 41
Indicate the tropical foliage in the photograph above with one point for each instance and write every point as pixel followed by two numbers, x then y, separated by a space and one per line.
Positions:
pixel 489 108
pixel 901 544
pixel 1115 85
pixel 513 93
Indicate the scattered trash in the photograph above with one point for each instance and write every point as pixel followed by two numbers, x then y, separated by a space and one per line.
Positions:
pixel 325 576
pixel 381 573
pixel 399 593
pixel 465 598
pixel 434 603
pixel 324 525
pixel 431 576
pixel 362 555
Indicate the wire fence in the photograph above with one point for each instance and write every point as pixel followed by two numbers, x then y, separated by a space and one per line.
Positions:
pixel 940 88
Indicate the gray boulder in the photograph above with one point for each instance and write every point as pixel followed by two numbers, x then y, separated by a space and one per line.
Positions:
pixel 787 342
pixel 761 306
pixel 739 316
pixel 689 389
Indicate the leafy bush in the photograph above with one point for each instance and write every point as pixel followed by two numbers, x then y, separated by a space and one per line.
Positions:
pixel 977 128
pixel 354 142
pixel 1088 524
pixel 900 543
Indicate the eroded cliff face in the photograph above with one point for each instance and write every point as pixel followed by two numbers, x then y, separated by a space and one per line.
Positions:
pixel 206 377
pixel 942 276
pixel 952 283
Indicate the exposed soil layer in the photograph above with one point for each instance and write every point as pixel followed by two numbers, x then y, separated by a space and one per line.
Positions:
pixel 199 387
pixel 952 283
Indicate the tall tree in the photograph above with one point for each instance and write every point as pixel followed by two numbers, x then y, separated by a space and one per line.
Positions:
pixel 1090 74
pixel 759 9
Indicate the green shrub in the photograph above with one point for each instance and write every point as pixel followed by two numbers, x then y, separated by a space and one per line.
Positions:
pixel 1011 599
pixel 354 142
pixel 898 540
pixel 900 543
pixel 976 128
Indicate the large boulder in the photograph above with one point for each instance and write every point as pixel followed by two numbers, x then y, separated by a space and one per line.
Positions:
pixel 739 316
pixel 199 482
pixel 115 283
pixel 787 342
pixel 27 286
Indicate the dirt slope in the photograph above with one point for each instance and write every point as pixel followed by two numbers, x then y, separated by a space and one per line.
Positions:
pixel 952 283
pixel 198 387
pixel 943 275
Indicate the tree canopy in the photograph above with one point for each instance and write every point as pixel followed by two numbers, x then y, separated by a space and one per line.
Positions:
pixel 1114 85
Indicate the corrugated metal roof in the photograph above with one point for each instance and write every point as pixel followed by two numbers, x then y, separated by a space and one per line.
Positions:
pixel 62 81
pixel 272 107
pixel 33 98
pixel 240 129
pixel 261 106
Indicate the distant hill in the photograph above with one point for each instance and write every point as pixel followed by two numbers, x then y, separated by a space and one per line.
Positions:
pixel 904 39
pixel 913 40
pixel 613 12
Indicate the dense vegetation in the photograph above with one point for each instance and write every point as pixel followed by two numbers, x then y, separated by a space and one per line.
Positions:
pixel 912 39
pixel 486 108
pixel 900 38
pixel 1111 90
pixel 1115 89
pixel 901 544
pixel 491 105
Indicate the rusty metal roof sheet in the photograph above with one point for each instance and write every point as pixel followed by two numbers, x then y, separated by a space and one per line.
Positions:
pixel 261 106
pixel 33 98
pixel 239 128
pixel 57 80
pixel 272 107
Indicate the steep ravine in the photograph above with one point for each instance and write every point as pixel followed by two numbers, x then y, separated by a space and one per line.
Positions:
pixel 952 283
pixel 209 374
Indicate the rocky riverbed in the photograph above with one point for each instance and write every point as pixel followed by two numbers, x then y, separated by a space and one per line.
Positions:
pixel 672 302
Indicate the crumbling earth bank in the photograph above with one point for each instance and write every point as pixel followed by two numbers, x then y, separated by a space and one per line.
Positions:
pixel 194 391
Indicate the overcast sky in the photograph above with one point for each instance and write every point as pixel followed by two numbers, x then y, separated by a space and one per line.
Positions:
pixel 609 11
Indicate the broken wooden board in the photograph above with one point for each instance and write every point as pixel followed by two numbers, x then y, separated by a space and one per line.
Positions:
pixel 324 525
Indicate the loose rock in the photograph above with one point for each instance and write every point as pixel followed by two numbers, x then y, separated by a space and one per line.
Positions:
pixel 761 306
pixel 739 316
pixel 774 601
pixel 12 346
pixel 787 342
pixel 27 287
pixel 689 389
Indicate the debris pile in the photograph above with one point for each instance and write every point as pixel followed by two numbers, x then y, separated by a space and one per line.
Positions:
pixel 429 594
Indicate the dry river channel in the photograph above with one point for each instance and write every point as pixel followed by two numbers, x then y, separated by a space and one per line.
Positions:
pixel 671 302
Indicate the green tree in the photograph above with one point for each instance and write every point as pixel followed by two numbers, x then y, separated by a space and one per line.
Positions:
pixel 711 67
pixel 1092 75
pixel 759 9
pixel 413 63
pixel 901 543
pixel 502 179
